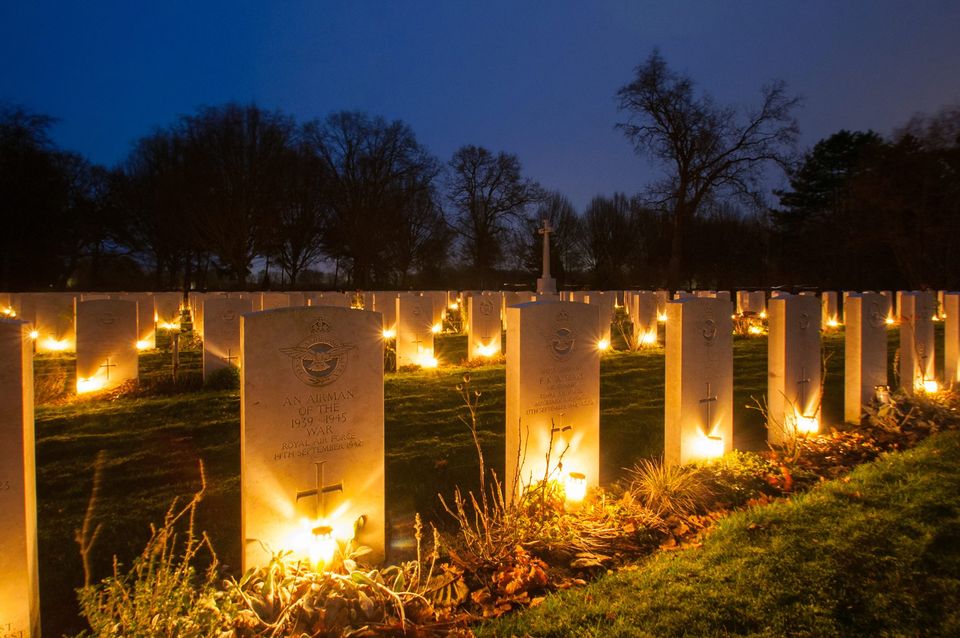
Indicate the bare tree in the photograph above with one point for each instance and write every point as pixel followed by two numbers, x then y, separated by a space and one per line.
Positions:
pixel 489 196
pixel 707 150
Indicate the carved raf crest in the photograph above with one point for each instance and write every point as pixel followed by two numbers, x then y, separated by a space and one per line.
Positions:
pixel 486 307
pixel 229 316
pixel 318 360
pixel 877 318
pixel 804 322
pixel 106 319
pixel 560 338
pixel 709 331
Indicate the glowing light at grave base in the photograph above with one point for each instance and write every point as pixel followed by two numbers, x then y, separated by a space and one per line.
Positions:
pixel 707 446
pixel 55 346
pixel 89 385
pixel 453 306
pixel 603 344
pixel 166 325
pixel 832 323
pixel 935 318
pixel 318 540
pixel 426 360
pixel 763 314
pixel 929 386
pixel 648 338
pixel 34 334
pixel 436 328
pixel 389 333
pixel 9 312
pixel 144 344
pixel 807 424
pixel 661 318
pixel 891 321
pixel 576 487
pixel 755 330
pixel 487 350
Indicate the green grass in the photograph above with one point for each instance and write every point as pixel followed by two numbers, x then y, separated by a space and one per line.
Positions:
pixel 876 555
pixel 154 445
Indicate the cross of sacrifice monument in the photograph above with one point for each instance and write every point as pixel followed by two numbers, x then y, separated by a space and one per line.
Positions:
pixel 546 285
pixel 320 492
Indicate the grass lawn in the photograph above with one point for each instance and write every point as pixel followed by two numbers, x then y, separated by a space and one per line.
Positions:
pixel 875 554
pixel 153 445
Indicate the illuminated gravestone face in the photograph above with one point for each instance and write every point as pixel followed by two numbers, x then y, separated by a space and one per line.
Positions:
pixel 146 330
pixel 329 299
pixel 19 582
pixel 221 333
pixel 553 384
pixel 415 331
pixel 951 338
pixel 865 352
pixel 385 302
pixel 52 317
pixel 793 368
pixel 890 306
pixel 311 431
pixel 439 299
pixel 483 334
pixel 698 408
pixel 271 300
pixel 605 303
pixel 106 344
pixel 166 306
pixel 917 361
pixel 829 312
pixel 643 314
pixel 663 296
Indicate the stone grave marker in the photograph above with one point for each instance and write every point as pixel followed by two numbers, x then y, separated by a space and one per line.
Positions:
pixel 52 316
pixel 311 443
pixel 793 368
pixel 830 314
pixel 167 309
pixel 19 574
pixel 385 302
pixel 951 338
pixel 221 333
pixel 865 352
pixel 553 392
pixel 643 315
pixel 271 300
pixel 106 344
pixel 146 328
pixel 606 303
pixel 698 408
pixel 415 331
pixel 663 296
pixel 917 356
pixel 484 333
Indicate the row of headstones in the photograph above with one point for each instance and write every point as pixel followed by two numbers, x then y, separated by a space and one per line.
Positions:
pixel 312 410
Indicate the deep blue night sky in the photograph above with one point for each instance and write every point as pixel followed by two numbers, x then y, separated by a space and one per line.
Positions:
pixel 533 78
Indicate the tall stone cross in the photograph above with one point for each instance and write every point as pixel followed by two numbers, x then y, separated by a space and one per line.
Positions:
pixel 546 284
pixel 320 491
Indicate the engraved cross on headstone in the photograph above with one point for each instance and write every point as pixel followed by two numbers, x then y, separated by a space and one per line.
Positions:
pixel 802 384
pixel 108 365
pixel 230 357
pixel 709 400
pixel 320 492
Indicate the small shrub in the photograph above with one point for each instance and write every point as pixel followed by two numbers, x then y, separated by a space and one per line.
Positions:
pixel 668 489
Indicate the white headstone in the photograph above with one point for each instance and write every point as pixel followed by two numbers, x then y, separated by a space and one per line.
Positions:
pixel 643 315
pixel 311 444
pixel 951 338
pixel 865 352
pixel 415 331
pixel 19 577
pixel 52 318
pixel 167 309
pixel 271 300
pixel 385 302
pixel 484 332
pixel 698 409
pixel 146 328
pixel 106 344
pixel 221 333
pixel 917 357
pixel 793 368
pixel 553 384
pixel 606 303
pixel 829 313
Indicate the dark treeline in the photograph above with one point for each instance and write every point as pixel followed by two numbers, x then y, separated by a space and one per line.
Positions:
pixel 238 196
